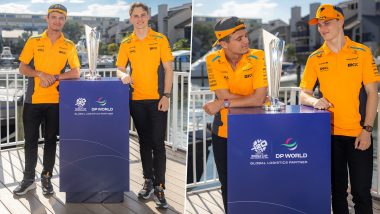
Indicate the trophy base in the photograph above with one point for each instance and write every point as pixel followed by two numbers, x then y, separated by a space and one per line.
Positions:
pixel 274 108
pixel 92 77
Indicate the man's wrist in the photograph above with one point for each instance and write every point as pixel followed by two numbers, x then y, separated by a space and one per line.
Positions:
pixel 125 75
pixel 39 73
pixel 314 102
pixel 226 103
pixel 368 128
pixel 56 77
pixel 167 95
pixel 221 103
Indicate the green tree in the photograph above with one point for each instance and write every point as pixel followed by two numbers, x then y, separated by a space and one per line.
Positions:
pixel 103 49
pixel 112 48
pixel 290 52
pixel 182 44
pixel 25 36
pixel 203 32
pixel 18 46
pixel 73 30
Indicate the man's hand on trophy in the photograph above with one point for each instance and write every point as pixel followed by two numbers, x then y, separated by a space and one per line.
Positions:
pixel 322 103
pixel 46 80
pixel 213 107
pixel 126 79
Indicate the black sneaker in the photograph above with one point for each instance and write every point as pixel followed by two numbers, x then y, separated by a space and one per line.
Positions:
pixel 159 197
pixel 24 187
pixel 147 189
pixel 47 188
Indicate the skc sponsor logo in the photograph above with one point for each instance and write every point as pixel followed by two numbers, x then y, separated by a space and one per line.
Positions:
pixel 259 146
pixel 290 144
pixel 101 101
pixel 80 103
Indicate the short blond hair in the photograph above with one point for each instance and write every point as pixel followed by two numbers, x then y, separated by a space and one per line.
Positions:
pixel 138 4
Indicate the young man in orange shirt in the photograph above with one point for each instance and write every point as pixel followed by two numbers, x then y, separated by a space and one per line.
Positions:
pixel 347 77
pixel 43 61
pixel 150 58
pixel 237 75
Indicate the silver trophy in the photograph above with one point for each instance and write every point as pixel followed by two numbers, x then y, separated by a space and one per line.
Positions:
pixel 92 42
pixel 274 50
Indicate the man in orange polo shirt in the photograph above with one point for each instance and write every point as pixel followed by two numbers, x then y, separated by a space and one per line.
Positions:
pixel 347 77
pixel 149 56
pixel 237 75
pixel 43 61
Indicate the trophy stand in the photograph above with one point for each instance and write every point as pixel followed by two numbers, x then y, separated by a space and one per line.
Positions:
pixel 92 42
pixel 274 50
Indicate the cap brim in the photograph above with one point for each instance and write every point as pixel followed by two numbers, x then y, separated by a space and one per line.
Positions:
pixel 313 21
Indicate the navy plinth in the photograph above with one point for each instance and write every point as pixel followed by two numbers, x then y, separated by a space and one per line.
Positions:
pixel 279 162
pixel 94 140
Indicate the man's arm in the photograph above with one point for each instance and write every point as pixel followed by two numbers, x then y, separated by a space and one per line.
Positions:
pixel 74 73
pixel 372 101
pixel 46 79
pixel 225 94
pixel 125 77
pixel 306 98
pixel 163 105
pixel 168 67
pixel 363 141
pixel 255 99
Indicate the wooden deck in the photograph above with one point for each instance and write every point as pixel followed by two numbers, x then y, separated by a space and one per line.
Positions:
pixel 210 201
pixel 11 167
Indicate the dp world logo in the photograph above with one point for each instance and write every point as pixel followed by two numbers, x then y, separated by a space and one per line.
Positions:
pixel 290 144
pixel 101 101
pixel 259 146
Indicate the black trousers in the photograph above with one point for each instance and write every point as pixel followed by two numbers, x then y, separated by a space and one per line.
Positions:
pixel 33 116
pixel 219 145
pixel 346 160
pixel 151 128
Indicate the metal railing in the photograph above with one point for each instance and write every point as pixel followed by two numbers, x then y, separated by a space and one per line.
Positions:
pixel 178 111
pixel 199 123
pixel 200 133
pixel 13 88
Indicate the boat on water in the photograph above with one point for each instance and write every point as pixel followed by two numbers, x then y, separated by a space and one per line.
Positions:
pixel 6 57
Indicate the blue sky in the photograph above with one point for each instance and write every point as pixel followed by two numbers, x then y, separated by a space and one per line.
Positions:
pixel 109 8
pixel 264 9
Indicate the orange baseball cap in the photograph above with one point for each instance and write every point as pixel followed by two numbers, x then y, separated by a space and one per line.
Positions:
pixel 326 12
pixel 58 8
pixel 226 27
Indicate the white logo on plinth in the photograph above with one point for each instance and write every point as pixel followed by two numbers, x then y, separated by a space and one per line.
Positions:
pixel 259 146
pixel 80 103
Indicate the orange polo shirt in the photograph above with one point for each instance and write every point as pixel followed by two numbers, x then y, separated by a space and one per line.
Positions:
pixel 49 58
pixel 145 57
pixel 249 74
pixel 342 77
